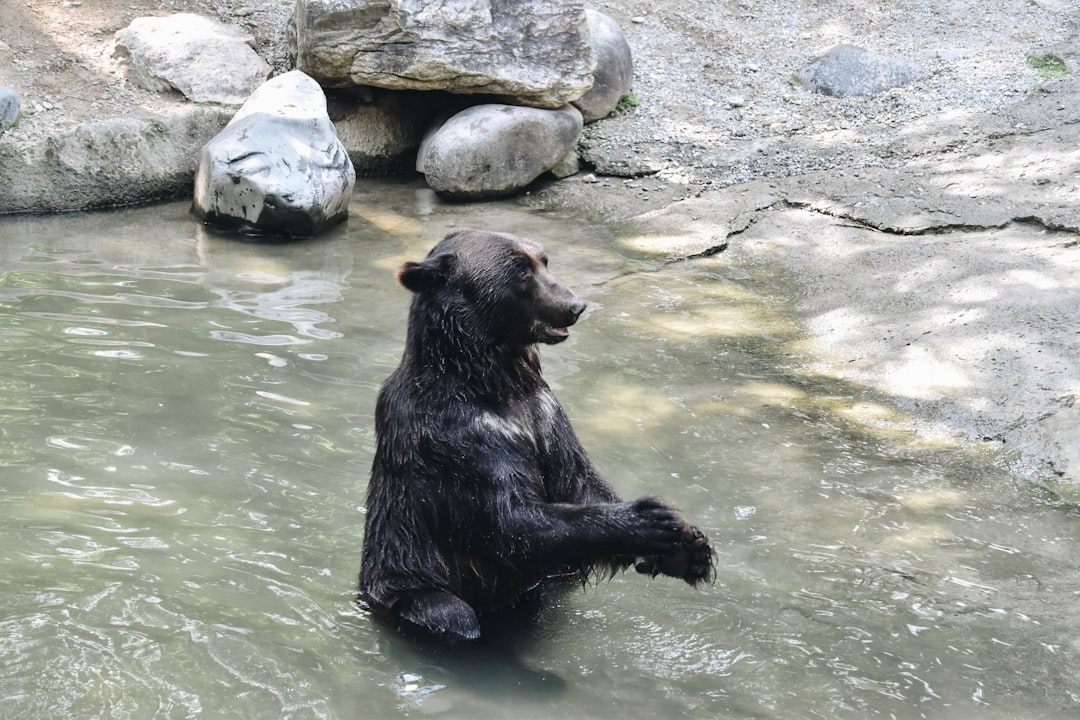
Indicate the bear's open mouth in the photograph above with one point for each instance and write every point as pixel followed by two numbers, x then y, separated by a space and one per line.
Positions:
pixel 554 335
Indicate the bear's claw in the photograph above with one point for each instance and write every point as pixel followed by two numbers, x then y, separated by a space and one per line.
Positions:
pixel 693 560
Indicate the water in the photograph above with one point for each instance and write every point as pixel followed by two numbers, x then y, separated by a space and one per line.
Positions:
pixel 186 437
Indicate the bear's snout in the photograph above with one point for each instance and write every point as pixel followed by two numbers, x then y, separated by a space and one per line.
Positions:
pixel 577 307
pixel 553 326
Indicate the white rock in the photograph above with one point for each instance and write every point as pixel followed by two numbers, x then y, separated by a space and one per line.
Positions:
pixel 278 167
pixel 202 58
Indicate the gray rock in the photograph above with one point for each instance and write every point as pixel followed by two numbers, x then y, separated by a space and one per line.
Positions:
pixel 567 166
pixel 848 70
pixel 614 71
pixel 202 58
pixel 624 160
pixel 496 150
pixel 534 53
pixel 278 167
pixel 9 107
pixel 108 163
pixel 382 134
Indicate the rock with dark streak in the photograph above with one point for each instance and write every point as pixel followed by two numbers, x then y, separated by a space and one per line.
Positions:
pixel 278 168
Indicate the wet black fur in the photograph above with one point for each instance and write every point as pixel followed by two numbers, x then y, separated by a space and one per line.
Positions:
pixel 480 490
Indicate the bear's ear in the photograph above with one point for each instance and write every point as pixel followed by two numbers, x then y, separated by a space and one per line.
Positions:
pixel 430 274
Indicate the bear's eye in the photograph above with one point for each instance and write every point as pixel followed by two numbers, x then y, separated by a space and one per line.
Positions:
pixel 524 273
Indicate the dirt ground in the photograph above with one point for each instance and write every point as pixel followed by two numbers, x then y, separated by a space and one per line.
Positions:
pixel 56 55
pixel 936 227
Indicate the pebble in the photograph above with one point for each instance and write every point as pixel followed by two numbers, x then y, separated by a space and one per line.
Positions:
pixel 10 105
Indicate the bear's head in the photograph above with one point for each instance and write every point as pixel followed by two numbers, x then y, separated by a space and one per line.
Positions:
pixel 496 285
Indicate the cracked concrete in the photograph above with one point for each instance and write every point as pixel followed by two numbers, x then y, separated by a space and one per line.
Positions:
pixel 949 283
pixel 972 330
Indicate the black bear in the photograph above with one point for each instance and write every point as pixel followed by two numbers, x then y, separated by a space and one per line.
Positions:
pixel 480 490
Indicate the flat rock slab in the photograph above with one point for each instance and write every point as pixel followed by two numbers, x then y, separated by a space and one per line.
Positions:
pixel 202 58
pixel 535 53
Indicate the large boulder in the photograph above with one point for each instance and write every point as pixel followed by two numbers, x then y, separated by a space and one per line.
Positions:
pixel 848 70
pixel 278 167
pixel 106 163
pixel 492 151
pixel 202 58
pixel 535 53
pixel 614 72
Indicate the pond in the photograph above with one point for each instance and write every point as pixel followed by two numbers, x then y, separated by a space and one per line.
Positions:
pixel 187 435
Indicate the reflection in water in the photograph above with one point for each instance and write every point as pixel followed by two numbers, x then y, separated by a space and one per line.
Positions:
pixel 186 433
pixel 259 280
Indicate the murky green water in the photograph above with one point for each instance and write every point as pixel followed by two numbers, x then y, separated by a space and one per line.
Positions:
pixel 186 434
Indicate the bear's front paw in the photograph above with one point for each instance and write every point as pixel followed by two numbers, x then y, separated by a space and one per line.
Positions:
pixel 655 526
pixel 700 558
pixel 693 560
